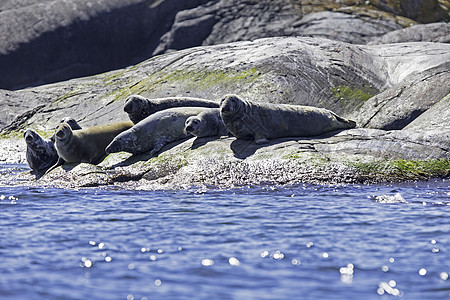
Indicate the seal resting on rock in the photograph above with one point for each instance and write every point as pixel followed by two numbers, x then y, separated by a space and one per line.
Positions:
pixel 264 121
pixel 155 131
pixel 206 123
pixel 41 153
pixel 72 123
pixel 85 145
pixel 138 107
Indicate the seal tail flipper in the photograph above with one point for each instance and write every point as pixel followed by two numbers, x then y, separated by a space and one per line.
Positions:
pixel 60 162
pixel 348 123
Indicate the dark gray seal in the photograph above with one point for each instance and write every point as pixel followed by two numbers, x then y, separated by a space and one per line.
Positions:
pixel 138 107
pixel 41 153
pixel 264 121
pixel 207 123
pixel 155 131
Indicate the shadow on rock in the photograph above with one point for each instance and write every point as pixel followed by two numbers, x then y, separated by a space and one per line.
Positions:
pixel 147 155
pixel 245 148
pixel 201 141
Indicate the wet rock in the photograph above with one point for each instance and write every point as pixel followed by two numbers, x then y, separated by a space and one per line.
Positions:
pixel 350 156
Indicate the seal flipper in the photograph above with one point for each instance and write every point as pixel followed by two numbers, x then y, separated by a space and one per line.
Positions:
pixel 60 162
pixel 347 122
pixel 259 139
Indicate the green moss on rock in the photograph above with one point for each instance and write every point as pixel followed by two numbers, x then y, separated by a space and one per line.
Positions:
pixel 406 169
pixel 191 80
pixel 346 93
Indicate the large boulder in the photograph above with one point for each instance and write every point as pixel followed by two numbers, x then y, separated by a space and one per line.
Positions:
pixel 306 71
pixel 54 40
pixel 380 86
pixel 434 32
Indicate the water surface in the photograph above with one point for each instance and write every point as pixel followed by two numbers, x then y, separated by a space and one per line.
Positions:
pixel 298 242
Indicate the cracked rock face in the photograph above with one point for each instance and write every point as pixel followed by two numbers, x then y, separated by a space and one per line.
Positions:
pixel 55 40
pixel 400 87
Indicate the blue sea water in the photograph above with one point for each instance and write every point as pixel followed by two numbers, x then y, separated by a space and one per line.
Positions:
pixel 292 242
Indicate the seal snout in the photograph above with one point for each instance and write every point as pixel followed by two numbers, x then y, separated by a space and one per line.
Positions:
pixel 29 136
pixel 113 147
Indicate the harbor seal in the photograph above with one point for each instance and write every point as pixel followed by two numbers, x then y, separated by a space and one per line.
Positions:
pixel 41 153
pixel 85 145
pixel 155 131
pixel 72 123
pixel 138 107
pixel 207 123
pixel 264 121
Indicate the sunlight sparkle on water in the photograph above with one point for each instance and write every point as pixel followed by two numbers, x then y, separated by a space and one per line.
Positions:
pixel 278 255
pixel 347 273
pixel 422 272
pixel 207 262
pixel 234 261
pixel 87 263
pixel 389 287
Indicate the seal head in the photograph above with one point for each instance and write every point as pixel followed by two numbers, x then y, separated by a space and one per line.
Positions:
pixel 137 108
pixel 207 123
pixel 72 123
pixel 193 125
pixel 41 153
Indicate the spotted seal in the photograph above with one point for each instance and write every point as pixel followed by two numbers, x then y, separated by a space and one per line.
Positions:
pixel 262 121
pixel 85 145
pixel 155 131
pixel 207 123
pixel 41 153
pixel 138 107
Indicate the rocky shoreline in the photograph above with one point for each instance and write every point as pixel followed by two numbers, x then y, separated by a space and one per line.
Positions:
pixel 398 93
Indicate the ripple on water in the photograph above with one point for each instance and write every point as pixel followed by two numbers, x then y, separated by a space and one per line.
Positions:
pixel 320 242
